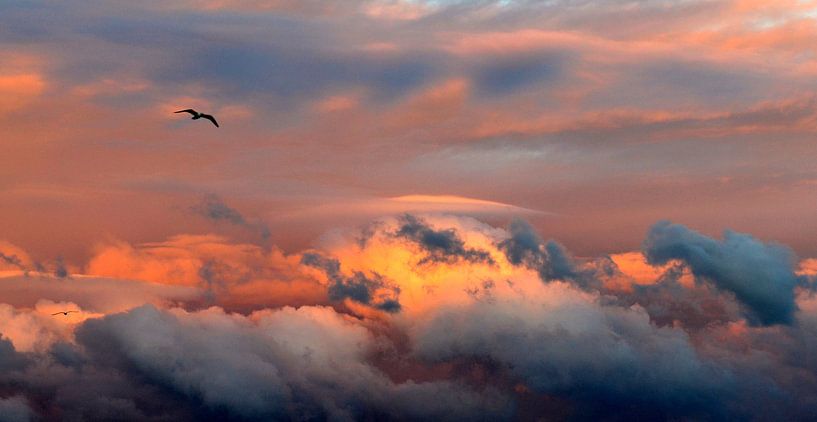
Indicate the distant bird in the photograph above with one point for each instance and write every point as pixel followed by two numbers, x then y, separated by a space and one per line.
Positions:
pixel 197 115
pixel 63 312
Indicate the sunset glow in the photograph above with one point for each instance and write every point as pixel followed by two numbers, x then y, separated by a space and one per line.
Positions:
pixel 241 210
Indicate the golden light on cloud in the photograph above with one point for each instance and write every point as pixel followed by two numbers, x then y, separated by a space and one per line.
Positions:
pixel 808 267
pixel 637 270
pixel 457 203
pixel 18 90
pixel 397 9
pixel 368 208
pixel 337 103
pixel 412 210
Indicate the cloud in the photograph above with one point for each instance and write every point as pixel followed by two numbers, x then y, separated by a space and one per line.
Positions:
pixel 610 360
pixel 365 209
pixel 370 290
pixel 551 260
pixel 213 208
pixel 459 339
pixel 13 258
pixel 94 293
pixel 506 75
pixel 15 409
pixel 311 362
pixel 760 275
pixel 440 246
pixel 18 90
pixel 233 274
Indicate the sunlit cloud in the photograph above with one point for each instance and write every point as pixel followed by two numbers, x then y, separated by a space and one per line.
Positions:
pixel 412 210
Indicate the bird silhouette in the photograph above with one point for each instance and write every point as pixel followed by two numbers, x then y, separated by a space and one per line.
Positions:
pixel 197 115
pixel 63 312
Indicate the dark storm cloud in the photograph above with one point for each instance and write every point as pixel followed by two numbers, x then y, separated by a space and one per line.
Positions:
pixel 370 290
pixel 550 259
pixel 440 246
pixel 760 275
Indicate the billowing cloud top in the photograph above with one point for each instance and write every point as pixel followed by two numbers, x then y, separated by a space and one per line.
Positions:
pixel 415 317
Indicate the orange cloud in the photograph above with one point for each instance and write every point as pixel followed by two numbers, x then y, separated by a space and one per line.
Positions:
pixel 636 269
pixel 88 293
pixel 19 90
pixel 240 275
pixel 337 103
pixel 13 258
pixel 397 9
pixel 430 107
pixel 808 267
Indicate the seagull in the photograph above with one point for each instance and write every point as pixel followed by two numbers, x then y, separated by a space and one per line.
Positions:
pixel 197 115
pixel 63 312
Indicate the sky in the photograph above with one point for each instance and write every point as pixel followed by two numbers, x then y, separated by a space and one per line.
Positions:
pixel 412 209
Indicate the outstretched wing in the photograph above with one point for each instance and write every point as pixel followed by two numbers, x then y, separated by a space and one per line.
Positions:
pixel 56 313
pixel 189 110
pixel 210 118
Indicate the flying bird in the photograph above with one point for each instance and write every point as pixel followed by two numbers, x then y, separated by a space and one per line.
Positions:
pixel 63 312
pixel 197 115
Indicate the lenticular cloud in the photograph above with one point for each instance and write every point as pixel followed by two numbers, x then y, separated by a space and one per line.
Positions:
pixel 414 318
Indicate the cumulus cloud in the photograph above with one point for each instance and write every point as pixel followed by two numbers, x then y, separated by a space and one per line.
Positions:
pixel 760 275
pixel 609 359
pixel 296 364
pixel 550 259
pixel 628 336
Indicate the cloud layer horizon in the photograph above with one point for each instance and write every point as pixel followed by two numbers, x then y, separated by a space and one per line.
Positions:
pixel 414 317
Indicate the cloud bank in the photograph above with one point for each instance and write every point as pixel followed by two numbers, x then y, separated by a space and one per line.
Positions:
pixel 695 328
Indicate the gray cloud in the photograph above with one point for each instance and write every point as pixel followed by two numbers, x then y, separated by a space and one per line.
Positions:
pixel 443 246
pixel 669 303
pixel 499 76
pixel 760 275
pixel 370 290
pixel 309 363
pixel 662 351
pixel 15 409
pixel 550 259
pixel 609 360
pixel 213 208
pixel 12 260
